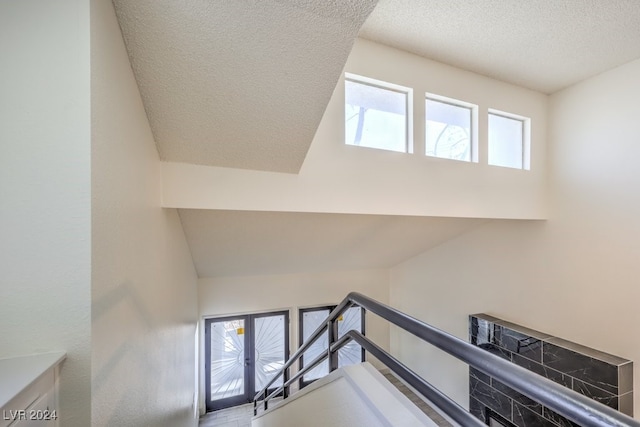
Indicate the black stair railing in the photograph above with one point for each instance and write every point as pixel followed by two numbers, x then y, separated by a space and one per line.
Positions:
pixel 568 403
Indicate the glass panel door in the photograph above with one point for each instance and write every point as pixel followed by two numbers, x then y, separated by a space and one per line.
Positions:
pixel 310 319
pixel 242 353
pixel 351 353
pixel 226 370
pixel 271 344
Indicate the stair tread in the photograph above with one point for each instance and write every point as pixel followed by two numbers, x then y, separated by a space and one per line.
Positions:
pixel 418 401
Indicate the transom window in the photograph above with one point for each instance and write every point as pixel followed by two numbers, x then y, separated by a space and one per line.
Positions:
pixel 377 114
pixel 508 140
pixel 449 128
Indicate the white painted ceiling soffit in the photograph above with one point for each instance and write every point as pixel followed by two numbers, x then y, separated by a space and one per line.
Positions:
pixel 238 83
pixel 241 243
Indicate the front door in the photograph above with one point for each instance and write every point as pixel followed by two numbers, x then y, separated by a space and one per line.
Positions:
pixel 242 353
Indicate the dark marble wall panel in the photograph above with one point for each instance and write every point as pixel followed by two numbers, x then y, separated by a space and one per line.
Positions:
pixel 523 417
pixel 558 419
pixel 490 397
pixel 473 372
pixel 582 367
pixel 603 377
pixel 596 393
pixel 516 397
pixel 478 409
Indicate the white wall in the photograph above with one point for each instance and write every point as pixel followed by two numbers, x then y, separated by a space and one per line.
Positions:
pixel 337 178
pixel 574 276
pixel 255 294
pixel 45 186
pixel 144 292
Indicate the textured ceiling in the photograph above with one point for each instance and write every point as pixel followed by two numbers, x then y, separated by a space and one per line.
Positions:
pixel 544 45
pixel 230 243
pixel 244 83
pixel 238 83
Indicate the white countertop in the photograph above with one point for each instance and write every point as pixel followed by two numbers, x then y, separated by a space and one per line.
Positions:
pixel 17 373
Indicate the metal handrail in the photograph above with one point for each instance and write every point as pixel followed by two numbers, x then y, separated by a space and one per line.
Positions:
pixel 284 389
pixel 568 403
pixel 442 401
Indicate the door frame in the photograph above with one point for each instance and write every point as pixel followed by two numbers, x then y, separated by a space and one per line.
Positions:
pixel 302 383
pixel 249 357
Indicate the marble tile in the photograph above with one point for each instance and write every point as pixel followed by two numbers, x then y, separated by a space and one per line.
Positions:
pixel 607 358
pixel 477 409
pixel 498 351
pixel 596 393
pixel 524 331
pixel 516 396
pixel 600 376
pixel 558 419
pixel 523 417
pixel 582 367
pixel 490 397
pixel 480 331
pixel 545 371
pixel 479 375
pixel 515 342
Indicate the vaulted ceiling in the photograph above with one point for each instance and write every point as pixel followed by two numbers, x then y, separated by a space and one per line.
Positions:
pixel 545 45
pixel 244 84
pixel 238 83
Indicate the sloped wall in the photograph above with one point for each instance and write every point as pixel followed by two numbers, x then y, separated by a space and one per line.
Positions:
pixel 144 296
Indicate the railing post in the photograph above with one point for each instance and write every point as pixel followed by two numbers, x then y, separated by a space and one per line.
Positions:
pixel 332 330
pixel 285 389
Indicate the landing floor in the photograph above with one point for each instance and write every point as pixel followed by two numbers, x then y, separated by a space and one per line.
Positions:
pixel 240 416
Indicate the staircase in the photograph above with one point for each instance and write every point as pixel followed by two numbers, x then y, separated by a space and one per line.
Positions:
pixel 363 391
pixel 352 396
pixel 418 401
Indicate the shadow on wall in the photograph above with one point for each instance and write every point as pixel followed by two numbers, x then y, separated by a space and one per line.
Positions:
pixel 130 371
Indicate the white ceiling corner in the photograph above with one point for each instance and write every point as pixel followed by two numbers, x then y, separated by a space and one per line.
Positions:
pixel 238 83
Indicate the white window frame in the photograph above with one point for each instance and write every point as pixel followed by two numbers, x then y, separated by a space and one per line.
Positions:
pixel 355 78
pixel 474 123
pixel 526 136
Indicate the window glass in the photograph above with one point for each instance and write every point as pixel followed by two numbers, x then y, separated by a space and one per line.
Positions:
pixel 375 116
pixel 351 353
pixel 448 130
pixel 506 141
